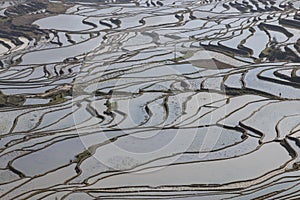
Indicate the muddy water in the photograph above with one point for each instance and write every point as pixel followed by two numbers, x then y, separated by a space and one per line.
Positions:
pixel 153 99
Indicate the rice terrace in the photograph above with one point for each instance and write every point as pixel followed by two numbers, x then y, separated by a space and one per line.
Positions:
pixel 150 99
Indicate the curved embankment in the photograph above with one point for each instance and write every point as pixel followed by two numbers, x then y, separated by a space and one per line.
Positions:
pixel 150 99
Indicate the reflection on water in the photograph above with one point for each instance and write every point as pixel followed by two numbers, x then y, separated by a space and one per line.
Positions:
pixel 149 99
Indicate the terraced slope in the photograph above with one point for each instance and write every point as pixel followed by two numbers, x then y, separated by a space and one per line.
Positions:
pixel 150 99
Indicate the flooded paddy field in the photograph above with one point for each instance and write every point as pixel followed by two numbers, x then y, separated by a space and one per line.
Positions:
pixel 150 99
